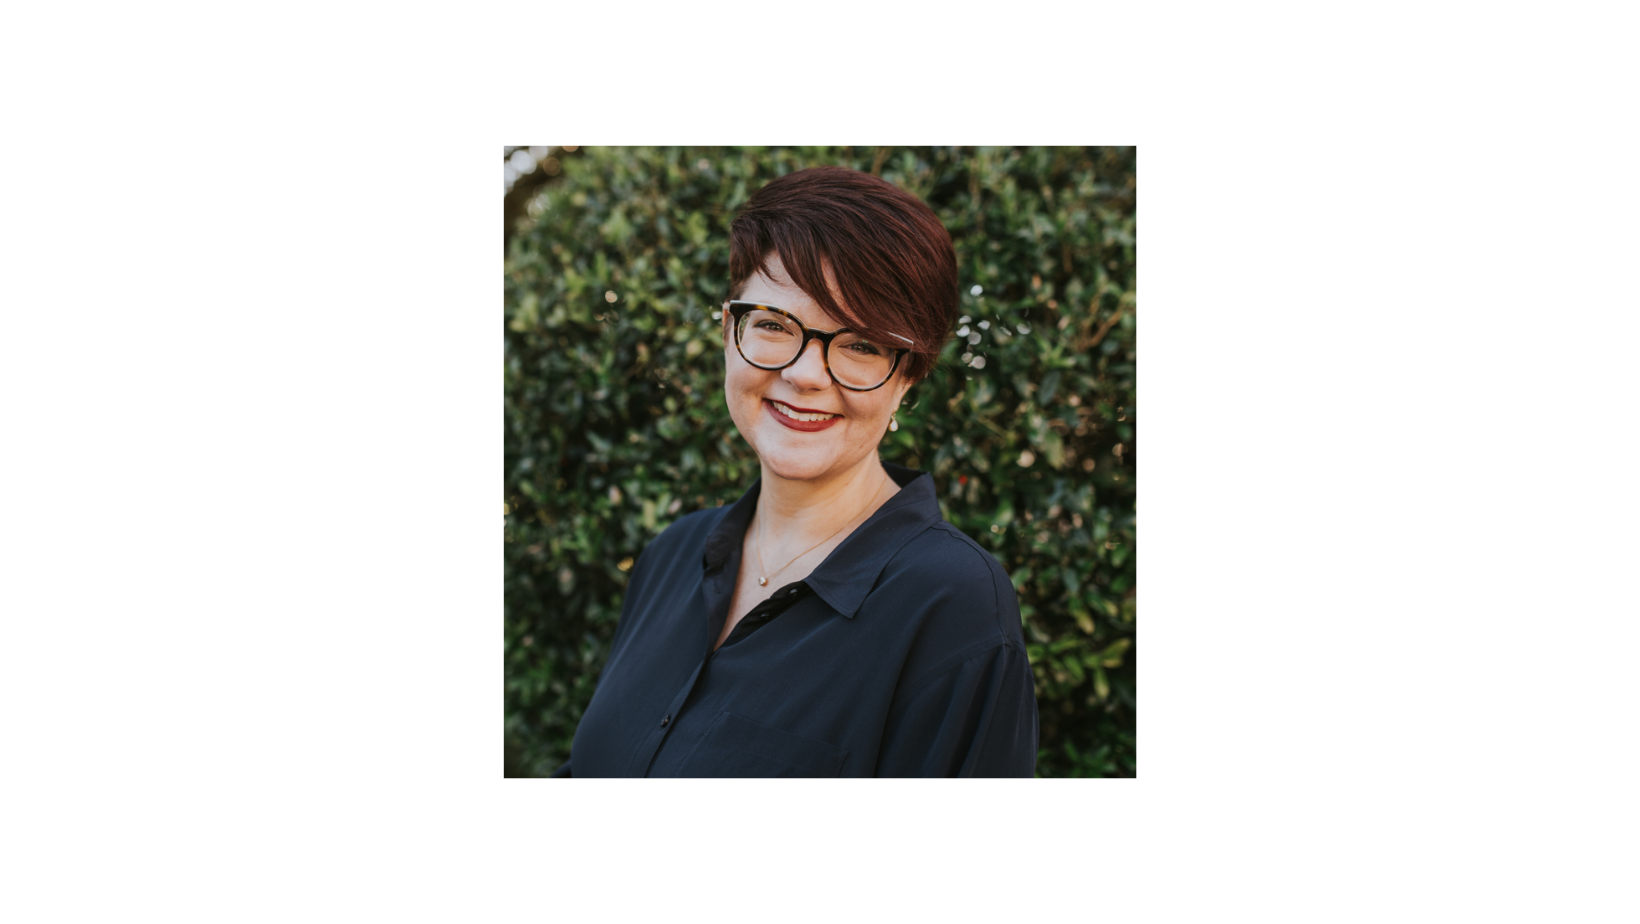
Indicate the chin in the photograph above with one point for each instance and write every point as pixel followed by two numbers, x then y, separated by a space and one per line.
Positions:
pixel 785 455
pixel 790 459
pixel 797 466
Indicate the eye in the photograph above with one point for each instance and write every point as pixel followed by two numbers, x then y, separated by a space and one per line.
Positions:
pixel 772 325
pixel 864 348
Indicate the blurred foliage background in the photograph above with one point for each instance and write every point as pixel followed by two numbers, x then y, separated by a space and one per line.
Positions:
pixel 616 259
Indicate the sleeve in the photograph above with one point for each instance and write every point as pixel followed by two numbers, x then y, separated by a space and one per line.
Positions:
pixel 974 718
pixel 564 770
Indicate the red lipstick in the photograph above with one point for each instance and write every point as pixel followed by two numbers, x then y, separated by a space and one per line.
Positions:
pixel 807 426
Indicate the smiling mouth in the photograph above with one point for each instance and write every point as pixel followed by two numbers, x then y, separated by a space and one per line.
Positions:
pixel 794 414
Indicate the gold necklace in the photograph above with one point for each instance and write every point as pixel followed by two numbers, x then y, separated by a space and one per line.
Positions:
pixel 763 579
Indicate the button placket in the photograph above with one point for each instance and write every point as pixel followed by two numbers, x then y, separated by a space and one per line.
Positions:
pixel 659 735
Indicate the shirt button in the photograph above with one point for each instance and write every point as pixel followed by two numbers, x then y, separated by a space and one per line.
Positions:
pixel 666 720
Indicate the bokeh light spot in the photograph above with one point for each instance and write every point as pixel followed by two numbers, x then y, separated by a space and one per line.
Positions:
pixel 522 161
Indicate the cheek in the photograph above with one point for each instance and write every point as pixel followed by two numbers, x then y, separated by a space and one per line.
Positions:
pixel 733 367
pixel 742 384
pixel 872 409
pixel 868 412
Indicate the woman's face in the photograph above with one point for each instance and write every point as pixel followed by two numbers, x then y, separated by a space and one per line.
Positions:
pixel 792 449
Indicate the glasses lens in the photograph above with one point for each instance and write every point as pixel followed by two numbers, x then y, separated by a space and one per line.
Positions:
pixel 858 362
pixel 768 338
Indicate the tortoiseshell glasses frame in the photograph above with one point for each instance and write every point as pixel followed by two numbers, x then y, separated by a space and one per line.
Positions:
pixel 738 310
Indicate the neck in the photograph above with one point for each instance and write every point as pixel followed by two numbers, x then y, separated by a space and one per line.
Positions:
pixel 796 510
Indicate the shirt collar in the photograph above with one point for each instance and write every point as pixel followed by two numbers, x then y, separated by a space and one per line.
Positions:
pixel 851 570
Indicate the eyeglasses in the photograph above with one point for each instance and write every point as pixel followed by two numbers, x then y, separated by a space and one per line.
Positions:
pixel 773 338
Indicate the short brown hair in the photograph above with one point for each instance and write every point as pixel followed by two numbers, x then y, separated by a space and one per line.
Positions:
pixel 891 258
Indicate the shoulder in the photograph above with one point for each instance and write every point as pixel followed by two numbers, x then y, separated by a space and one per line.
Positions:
pixel 970 598
pixel 691 529
pixel 944 554
pixel 680 545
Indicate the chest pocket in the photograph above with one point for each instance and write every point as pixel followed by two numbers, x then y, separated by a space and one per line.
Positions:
pixel 738 747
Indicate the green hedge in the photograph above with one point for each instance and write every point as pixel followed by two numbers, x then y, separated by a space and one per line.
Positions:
pixel 615 421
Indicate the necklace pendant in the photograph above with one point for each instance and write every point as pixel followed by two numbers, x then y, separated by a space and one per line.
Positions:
pixel 762 581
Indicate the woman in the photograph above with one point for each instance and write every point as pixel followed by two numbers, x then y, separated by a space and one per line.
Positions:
pixel 829 623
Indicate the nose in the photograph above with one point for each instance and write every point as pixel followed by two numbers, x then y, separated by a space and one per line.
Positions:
pixel 809 372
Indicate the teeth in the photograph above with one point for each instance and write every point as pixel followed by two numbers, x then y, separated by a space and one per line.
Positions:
pixel 798 416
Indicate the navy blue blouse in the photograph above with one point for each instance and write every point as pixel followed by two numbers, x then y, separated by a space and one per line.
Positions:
pixel 900 655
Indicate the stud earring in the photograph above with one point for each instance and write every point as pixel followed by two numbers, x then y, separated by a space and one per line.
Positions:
pixel 893 423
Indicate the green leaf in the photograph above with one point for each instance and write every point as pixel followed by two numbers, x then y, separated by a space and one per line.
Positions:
pixel 1050 386
pixel 1053 446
